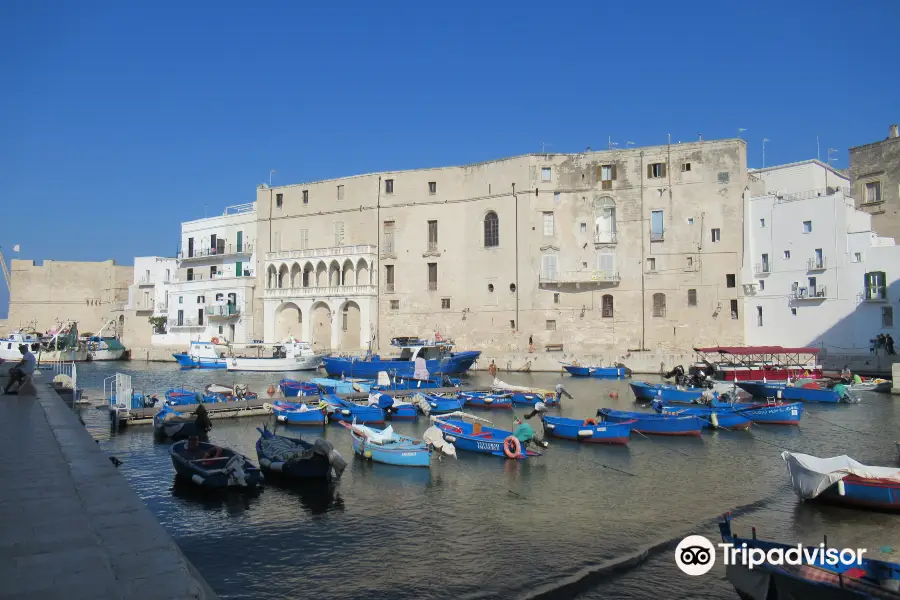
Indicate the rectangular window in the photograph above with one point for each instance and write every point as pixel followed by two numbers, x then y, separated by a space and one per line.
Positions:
pixel 338 233
pixel 690 262
pixel 723 177
pixel 279 200
pixel 793 312
pixel 857 257
pixel 656 170
pixel 557 198
pixel 512 324
pixel 190 247
pixel 432 236
pixel 240 241
pixel 716 234
pixel 387 246
pixel 787 254
pixel 729 280
pixel 555 298
pixel 550 325
pixel 238 269
pixel 545 173
pixel 343 321
pixel 548 223
pixel 584 228
pixel 305 196
pixel 759 319
pixel 395 305
pixel 764 267
pixel 389 278
pixel 388 186
pixel 180 317
pixel 304 239
pixel 818 261
pixel 762 284
pixel 692 297
pixel 651 264
pixel 548 267
pixel 685 167
pixel 762 222
pixel 445 303
pixel 606 266
pixel 873 192
pixel 807 226
pixel 734 309
pixel 432 187
pixel 656 226
pixel 212 271
pixel 690 220
pixel 200 313
pixel 341 197
pixel 180 299
pixel 887 316
pixel 607 176
pixel 876 285
pixel 432 276
pixel 190 274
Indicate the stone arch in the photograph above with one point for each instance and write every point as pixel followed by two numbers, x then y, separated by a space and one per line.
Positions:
pixel 271 277
pixel 349 326
pixel 283 276
pixel 320 313
pixel 362 272
pixel 295 275
pixel 321 274
pixel 334 274
pixel 348 273
pixel 309 275
pixel 288 321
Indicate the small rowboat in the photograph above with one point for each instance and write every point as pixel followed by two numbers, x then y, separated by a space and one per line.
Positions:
pixel 713 418
pixel 438 405
pixel 298 413
pixel 596 372
pixel 528 396
pixel 344 410
pixel 486 400
pixel 291 388
pixel 394 409
pixel 388 447
pixel 468 432
pixel 215 467
pixel 169 423
pixel 665 392
pixel 654 424
pixel 588 430
pixel 181 396
pixel 844 481
pixel 295 458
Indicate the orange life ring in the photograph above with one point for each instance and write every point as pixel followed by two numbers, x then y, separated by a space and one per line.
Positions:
pixel 215 340
pixel 512 448
pixel 590 422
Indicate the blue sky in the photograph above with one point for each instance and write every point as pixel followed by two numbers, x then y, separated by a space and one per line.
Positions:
pixel 122 119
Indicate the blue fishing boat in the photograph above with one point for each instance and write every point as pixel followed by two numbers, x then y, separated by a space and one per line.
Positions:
pixel 470 433
pixel 403 382
pixel 588 430
pixel 486 400
pixel 298 413
pixel 344 410
pixel 339 386
pixel 388 447
pixel 817 576
pixel 437 355
pixel 394 409
pixel 171 424
pixel 295 458
pixel 202 355
pixel 654 424
pixel 713 418
pixel 596 372
pixel 438 405
pixel 843 481
pixel 215 467
pixel 665 392
pixel 763 389
pixel 291 388
pixel 772 414
pixel 181 397
pixel 529 396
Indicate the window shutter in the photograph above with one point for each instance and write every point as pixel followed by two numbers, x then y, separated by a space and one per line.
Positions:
pixel 600 173
pixel 649 171
pixel 663 169
pixel 614 172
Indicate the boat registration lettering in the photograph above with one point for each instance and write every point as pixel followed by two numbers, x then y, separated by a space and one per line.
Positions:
pixel 407 454
pixel 794 412
pixel 487 446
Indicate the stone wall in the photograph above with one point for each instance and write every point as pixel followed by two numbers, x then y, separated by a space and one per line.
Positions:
pixel 878 162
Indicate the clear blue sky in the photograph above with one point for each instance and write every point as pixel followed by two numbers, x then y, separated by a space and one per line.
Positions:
pixel 119 120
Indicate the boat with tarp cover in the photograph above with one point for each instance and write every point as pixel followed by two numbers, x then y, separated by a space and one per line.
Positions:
pixel 296 458
pixel 843 481
pixel 752 363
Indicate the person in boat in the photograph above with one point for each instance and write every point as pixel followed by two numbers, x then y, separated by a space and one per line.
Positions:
pixel 525 434
pixel 846 375
pixel 20 372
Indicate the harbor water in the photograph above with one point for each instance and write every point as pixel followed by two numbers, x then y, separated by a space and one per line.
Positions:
pixel 485 527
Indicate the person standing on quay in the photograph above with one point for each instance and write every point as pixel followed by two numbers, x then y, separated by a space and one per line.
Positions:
pixel 889 344
pixel 531 344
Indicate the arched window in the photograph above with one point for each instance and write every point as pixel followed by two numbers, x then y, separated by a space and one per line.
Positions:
pixel 659 305
pixel 607 304
pixel 491 230
pixel 605 220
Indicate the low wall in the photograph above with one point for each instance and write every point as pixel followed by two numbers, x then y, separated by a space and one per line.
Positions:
pixel 896 378
pixel 867 365
pixel 155 353
pixel 639 362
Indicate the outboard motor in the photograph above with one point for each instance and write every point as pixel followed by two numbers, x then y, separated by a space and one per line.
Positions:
pixel 561 391
pixel 539 409
pixel 677 373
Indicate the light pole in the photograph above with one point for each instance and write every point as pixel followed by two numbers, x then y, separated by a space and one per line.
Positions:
pixel 270 177
pixel 764 152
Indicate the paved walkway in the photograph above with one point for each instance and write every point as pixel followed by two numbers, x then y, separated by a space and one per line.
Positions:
pixel 71 526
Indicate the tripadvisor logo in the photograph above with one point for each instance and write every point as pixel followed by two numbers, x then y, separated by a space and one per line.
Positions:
pixel 695 555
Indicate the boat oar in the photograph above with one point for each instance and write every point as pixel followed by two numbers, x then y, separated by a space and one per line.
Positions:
pixel 661 444
pixel 617 470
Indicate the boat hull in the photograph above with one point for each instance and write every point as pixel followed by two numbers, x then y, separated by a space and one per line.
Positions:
pixel 441 406
pixel 315 466
pixel 488 441
pixel 198 362
pixel 272 365
pixel 400 456
pixel 209 474
pixel 292 389
pixel 344 411
pixel 596 372
pixel 486 400
pixel 713 418
pixel 871 494
pixel 761 389
pixel 116 354
pixel 586 432
pixel 667 393
pixel 783 414
pixel 456 364
pixel 653 424
pixel 286 412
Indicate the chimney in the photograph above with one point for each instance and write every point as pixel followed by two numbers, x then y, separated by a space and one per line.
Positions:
pixel 894 133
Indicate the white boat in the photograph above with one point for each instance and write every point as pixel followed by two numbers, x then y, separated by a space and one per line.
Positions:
pixel 48 353
pixel 104 348
pixel 9 345
pixel 289 356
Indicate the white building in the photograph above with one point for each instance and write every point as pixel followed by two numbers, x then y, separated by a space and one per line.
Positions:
pixel 814 272
pixel 211 295
pixel 148 294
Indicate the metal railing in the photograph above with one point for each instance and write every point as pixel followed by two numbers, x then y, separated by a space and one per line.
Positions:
pixel 322 252
pixel 389 287
pixel 144 305
pixel 657 236
pixel 432 286
pixel 343 290
pixel 762 268
pixel 205 276
pixel 224 250
pixel 223 310
pixel 816 264
pixel 145 280
pixel 579 277
pixel 174 324
pixel 605 237
pixel 817 293
pixel 808 194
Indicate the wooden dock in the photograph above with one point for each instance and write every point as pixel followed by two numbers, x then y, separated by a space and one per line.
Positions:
pixel 249 408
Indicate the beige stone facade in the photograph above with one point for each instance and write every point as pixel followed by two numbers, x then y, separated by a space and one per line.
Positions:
pixel 600 251
pixel 88 292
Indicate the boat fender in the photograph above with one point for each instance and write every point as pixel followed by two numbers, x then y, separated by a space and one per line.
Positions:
pixel 550 426
pixel 488 400
pixel 512 447
pixel 614 395
pixel 197 479
pixel 589 422
pixel 277 466
pixel 345 412
pixel 265 462
pixel 449 438
pixel 433 404
pixel 714 419
pixel 282 418
pixel 841 490
pixel 367 453
pixel 326 419
pixel 585 432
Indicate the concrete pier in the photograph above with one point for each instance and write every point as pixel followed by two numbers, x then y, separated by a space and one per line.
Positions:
pixel 70 525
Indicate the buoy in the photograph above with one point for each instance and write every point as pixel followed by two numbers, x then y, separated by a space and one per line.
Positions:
pixel 271 390
pixel 841 490
pixel 614 395
pixel 714 419
pixel 367 454
pixel 197 479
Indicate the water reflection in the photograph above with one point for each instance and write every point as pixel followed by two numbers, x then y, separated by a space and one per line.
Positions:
pixel 233 501
pixel 316 497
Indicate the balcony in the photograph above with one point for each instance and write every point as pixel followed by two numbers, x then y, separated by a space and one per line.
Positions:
pixel 223 250
pixel 223 311
pixel 321 292
pixel 203 281
pixel 817 293
pixel 816 264
pixel 564 277
pixel 657 236
pixel 323 252
pixel 162 309
pixel 432 286
pixel 184 324
pixel 762 269
pixel 605 237
pixel 389 287
pixel 874 293
pixel 144 305
pixel 147 280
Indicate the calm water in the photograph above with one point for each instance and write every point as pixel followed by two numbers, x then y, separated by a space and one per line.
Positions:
pixel 483 527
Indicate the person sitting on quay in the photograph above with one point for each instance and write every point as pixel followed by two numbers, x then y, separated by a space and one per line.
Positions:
pixel 22 370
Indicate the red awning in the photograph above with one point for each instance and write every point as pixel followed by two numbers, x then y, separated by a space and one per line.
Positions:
pixel 748 350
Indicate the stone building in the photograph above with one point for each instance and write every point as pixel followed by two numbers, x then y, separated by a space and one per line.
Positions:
pixel 91 293
pixel 875 180
pixel 599 251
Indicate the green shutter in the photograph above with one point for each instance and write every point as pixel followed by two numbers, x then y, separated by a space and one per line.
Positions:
pixel 238 266
pixel 240 241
